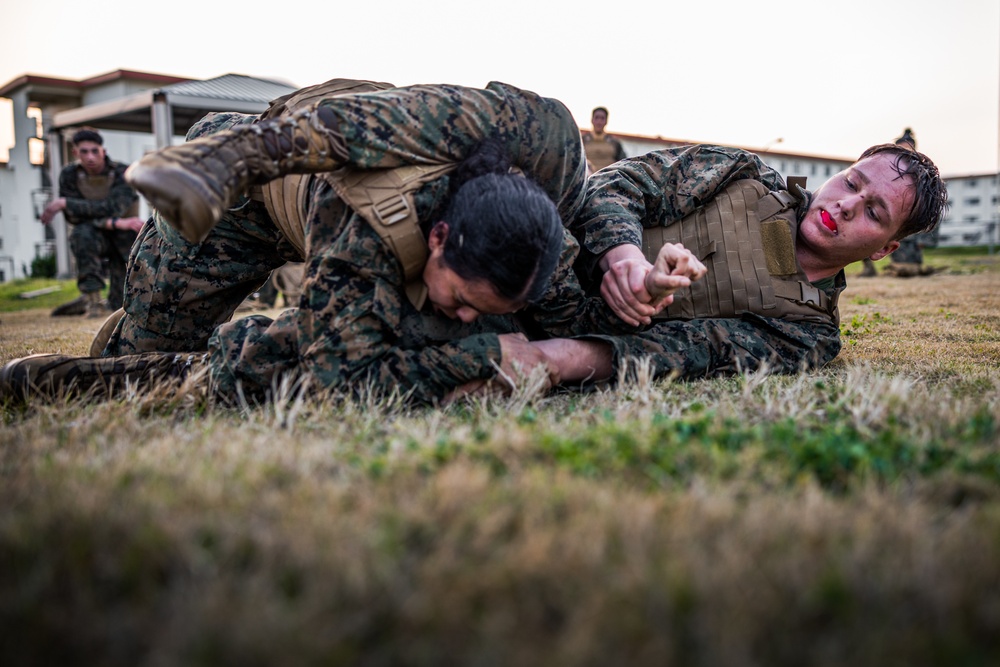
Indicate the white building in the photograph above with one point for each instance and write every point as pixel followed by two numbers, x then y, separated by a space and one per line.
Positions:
pixel 28 104
pixel 973 211
pixel 816 168
pixel 135 112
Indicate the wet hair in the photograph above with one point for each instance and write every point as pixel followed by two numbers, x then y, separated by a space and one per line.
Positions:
pixel 930 194
pixel 502 227
pixel 87 134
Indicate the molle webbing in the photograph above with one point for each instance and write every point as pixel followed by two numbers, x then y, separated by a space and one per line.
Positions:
pixel 94 187
pixel 600 152
pixel 751 264
pixel 285 201
pixel 99 187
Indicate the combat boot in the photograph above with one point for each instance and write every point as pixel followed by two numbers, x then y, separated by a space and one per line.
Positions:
pixel 903 269
pixel 96 307
pixel 77 306
pixel 58 375
pixel 192 184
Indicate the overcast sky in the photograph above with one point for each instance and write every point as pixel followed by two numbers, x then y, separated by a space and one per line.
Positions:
pixel 826 77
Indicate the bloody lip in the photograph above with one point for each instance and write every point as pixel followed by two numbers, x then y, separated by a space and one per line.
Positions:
pixel 828 221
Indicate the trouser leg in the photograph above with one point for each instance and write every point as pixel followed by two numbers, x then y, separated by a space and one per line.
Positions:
pixel 119 248
pixel 250 355
pixel 177 292
pixel 88 248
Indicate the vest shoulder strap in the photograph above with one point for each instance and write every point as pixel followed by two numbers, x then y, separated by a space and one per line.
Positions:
pixel 384 198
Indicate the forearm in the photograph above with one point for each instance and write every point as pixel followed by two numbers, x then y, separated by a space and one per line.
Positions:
pixel 578 360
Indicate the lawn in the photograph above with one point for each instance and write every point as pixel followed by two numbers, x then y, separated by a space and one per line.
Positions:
pixel 846 516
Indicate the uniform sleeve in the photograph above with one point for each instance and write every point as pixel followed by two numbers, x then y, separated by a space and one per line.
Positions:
pixel 443 124
pixel 351 321
pixel 657 189
pixel 691 349
pixel 78 210
pixel 565 310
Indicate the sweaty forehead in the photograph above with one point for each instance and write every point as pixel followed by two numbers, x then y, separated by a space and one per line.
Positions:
pixel 895 190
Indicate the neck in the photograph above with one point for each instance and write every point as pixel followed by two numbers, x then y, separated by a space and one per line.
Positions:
pixel 814 267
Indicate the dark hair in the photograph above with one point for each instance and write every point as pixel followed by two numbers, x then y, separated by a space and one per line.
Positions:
pixel 502 227
pixel 87 134
pixel 930 194
pixel 596 109
pixel 907 139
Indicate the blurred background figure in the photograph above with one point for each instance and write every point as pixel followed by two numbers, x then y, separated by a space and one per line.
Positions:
pixel 908 260
pixel 102 210
pixel 602 149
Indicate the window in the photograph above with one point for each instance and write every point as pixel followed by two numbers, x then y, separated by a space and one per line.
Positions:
pixel 36 145
pixel 972 201
pixel 6 129
pixel 971 183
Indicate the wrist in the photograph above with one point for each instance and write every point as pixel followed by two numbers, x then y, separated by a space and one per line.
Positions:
pixel 620 252
pixel 114 223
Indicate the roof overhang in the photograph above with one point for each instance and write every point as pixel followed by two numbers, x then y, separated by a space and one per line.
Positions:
pixel 135 112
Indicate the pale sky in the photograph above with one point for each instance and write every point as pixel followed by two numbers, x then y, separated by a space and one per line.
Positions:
pixel 827 77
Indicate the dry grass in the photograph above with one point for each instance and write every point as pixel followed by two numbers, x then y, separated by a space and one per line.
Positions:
pixel 850 516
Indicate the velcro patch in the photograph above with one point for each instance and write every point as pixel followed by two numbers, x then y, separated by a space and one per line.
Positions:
pixel 779 248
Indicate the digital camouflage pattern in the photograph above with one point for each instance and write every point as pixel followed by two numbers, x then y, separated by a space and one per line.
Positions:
pixel 89 241
pixel 355 324
pixel 178 292
pixel 659 189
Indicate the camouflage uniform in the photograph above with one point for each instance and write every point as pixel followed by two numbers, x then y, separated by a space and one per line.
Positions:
pixel 89 241
pixel 354 322
pixel 658 189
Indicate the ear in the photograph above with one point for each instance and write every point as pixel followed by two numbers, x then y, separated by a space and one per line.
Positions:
pixel 887 249
pixel 438 236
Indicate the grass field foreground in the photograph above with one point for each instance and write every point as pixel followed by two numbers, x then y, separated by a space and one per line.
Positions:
pixel 848 516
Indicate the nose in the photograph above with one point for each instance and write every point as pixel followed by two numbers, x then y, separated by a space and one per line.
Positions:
pixel 849 205
pixel 466 314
